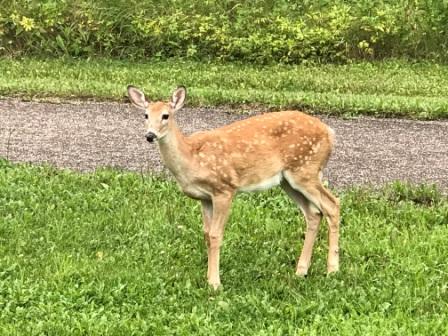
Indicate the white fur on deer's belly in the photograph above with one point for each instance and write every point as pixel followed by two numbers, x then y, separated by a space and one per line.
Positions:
pixel 263 185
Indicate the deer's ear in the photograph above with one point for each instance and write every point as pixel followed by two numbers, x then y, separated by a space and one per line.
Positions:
pixel 178 98
pixel 137 97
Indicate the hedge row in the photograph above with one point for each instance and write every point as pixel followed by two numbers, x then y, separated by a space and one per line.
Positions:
pixel 250 31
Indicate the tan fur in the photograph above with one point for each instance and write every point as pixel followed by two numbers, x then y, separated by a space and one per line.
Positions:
pixel 289 148
pixel 244 153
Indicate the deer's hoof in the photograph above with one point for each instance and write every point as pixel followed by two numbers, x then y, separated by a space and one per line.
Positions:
pixel 302 271
pixel 215 285
pixel 332 269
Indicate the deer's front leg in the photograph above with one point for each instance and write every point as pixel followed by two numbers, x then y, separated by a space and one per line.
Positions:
pixel 207 213
pixel 221 207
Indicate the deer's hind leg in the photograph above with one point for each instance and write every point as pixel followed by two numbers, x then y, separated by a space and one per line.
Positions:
pixel 313 217
pixel 321 199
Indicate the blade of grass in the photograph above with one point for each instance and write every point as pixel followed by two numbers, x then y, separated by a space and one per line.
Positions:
pixel 390 88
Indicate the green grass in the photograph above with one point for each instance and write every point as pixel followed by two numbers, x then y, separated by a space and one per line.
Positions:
pixel 390 88
pixel 116 253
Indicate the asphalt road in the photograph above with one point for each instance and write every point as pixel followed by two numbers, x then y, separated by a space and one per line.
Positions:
pixel 85 136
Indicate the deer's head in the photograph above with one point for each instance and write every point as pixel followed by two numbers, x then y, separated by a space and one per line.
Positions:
pixel 159 114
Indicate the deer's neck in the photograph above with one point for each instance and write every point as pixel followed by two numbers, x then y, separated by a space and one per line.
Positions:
pixel 175 151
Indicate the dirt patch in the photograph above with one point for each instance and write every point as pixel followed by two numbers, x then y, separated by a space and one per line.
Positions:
pixel 85 136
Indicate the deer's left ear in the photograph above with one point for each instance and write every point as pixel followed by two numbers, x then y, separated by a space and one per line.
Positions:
pixel 178 98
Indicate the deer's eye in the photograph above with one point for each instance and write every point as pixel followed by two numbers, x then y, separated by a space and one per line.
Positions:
pixel 146 116
pixel 165 116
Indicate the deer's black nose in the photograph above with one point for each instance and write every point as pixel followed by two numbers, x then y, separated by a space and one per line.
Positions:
pixel 150 136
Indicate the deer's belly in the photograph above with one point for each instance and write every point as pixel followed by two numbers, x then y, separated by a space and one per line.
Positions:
pixel 264 184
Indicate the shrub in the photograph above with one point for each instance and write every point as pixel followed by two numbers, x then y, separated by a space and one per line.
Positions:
pixel 251 31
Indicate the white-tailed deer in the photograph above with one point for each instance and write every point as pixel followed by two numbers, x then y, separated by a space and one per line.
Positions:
pixel 286 148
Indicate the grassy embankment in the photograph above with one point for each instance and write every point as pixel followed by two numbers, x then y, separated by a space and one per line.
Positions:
pixel 390 88
pixel 116 253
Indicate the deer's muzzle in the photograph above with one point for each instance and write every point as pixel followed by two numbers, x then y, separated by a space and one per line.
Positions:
pixel 150 136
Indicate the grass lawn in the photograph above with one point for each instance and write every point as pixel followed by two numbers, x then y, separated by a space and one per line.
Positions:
pixel 389 88
pixel 117 253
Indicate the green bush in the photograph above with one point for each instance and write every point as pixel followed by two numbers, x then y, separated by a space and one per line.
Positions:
pixel 251 31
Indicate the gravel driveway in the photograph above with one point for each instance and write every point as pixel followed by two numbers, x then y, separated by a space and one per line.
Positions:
pixel 84 136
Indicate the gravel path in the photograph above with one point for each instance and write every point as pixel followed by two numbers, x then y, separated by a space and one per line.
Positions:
pixel 85 136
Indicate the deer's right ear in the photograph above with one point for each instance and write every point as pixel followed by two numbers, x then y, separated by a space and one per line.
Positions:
pixel 137 97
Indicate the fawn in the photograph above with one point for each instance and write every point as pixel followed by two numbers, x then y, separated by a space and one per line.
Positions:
pixel 287 148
